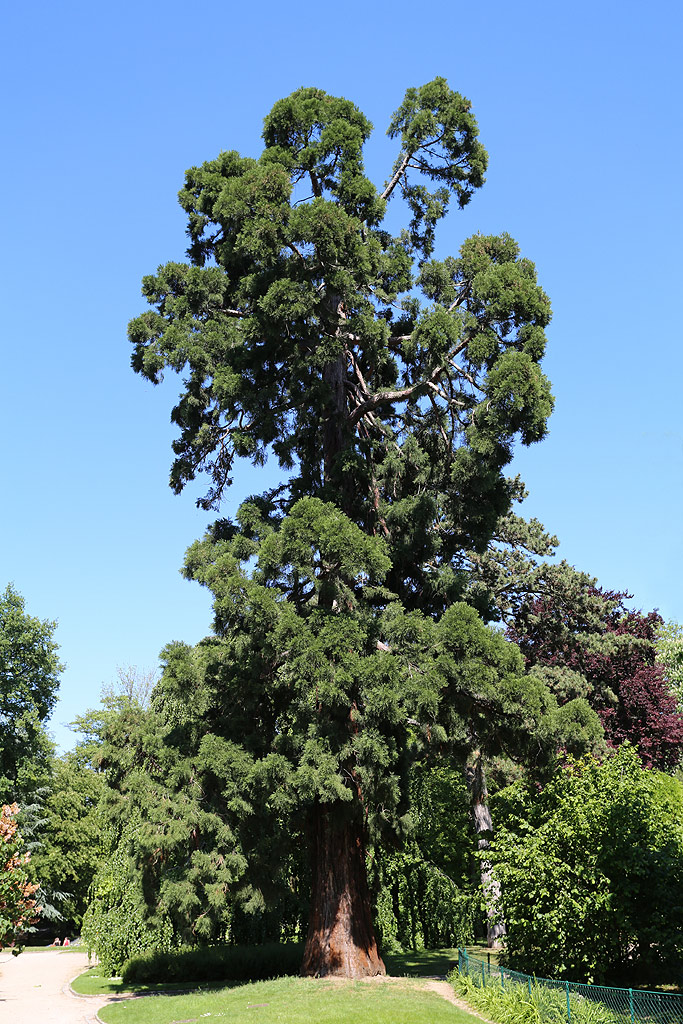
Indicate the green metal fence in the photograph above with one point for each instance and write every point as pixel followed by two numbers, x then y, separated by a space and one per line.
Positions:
pixel 624 1005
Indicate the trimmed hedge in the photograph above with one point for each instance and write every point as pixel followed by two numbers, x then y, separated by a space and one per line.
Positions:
pixel 216 963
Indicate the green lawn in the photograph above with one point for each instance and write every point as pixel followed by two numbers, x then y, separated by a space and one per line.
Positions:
pixel 295 1001
pixel 482 951
pixel 424 963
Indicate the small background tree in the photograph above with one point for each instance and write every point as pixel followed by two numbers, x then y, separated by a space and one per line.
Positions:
pixel 18 907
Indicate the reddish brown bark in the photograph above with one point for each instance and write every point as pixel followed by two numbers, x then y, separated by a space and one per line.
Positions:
pixel 341 938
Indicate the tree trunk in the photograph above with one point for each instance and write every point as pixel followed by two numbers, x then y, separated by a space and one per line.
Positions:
pixel 341 939
pixel 483 826
pixel 335 415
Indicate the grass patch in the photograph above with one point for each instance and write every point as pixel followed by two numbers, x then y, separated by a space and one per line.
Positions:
pixel 481 950
pixel 96 981
pixel 295 1001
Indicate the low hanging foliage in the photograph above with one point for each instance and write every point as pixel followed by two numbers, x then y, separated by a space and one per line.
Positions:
pixel 116 925
pixel 425 895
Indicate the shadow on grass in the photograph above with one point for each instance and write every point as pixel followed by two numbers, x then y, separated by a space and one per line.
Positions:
pixel 421 963
pixel 96 982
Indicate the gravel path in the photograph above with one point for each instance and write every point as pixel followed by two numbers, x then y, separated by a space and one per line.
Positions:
pixel 34 989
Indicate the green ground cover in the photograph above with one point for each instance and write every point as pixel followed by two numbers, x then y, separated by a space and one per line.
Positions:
pixel 517 1004
pixel 295 1001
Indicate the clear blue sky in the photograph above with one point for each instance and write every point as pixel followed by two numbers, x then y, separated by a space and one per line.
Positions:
pixel 107 105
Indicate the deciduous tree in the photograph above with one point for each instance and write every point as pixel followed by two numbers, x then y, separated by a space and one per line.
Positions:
pixel 70 849
pixel 29 678
pixel 669 654
pixel 586 642
pixel 591 866
pixel 17 904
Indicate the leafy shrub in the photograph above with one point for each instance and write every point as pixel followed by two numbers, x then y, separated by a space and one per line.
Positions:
pixel 514 1004
pixel 216 963
pixel 590 869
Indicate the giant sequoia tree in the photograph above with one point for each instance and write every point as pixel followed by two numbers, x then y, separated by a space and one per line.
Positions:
pixel 390 386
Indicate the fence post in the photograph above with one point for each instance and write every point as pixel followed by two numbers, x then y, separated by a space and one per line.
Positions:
pixel 529 980
pixel 630 999
pixel 483 975
pixel 502 980
pixel 569 1009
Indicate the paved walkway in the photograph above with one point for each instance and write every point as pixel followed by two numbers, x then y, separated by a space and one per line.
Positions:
pixel 34 989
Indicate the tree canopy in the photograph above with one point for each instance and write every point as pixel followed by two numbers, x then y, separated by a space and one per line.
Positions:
pixel 382 379
pixel 590 868
pixel 29 678
pixel 585 642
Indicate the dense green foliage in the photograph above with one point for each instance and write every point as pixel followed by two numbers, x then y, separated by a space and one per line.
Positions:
pixel 669 648
pixel 70 849
pixel 219 963
pixel 234 841
pixel 591 868
pixel 390 387
pixel 425 894
pixel 116 924
pixel 29 677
